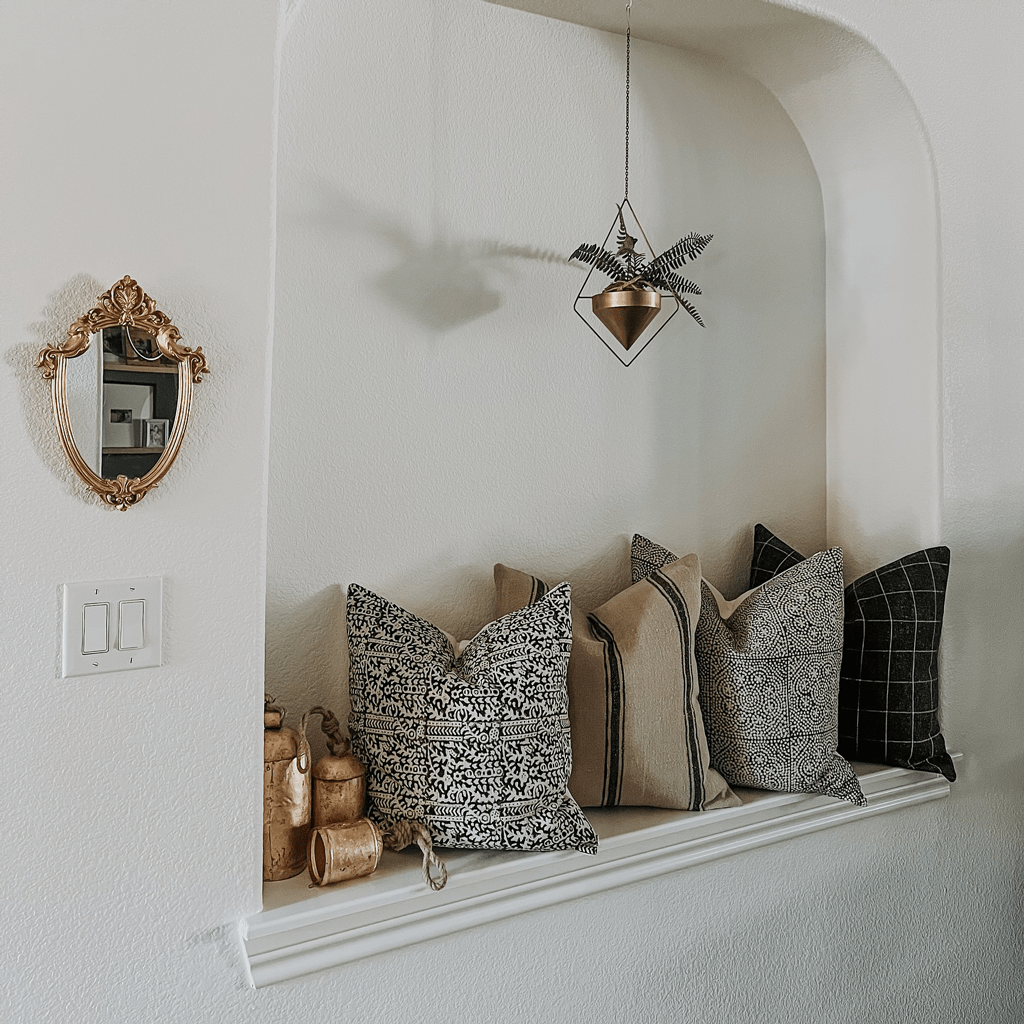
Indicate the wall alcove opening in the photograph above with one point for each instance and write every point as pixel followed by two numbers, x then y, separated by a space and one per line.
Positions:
pixel 435 405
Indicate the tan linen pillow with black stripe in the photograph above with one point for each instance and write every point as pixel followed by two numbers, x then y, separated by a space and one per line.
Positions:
pixel 637 732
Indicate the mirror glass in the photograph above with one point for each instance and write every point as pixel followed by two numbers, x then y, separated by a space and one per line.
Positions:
pixel 122 399
pixel 122 389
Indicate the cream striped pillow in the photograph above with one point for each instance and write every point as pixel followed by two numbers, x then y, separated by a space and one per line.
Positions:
pixel 637 732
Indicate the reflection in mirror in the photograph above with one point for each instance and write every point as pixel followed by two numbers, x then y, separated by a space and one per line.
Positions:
pixel 121 393
pixel 84 387
pixel 138 402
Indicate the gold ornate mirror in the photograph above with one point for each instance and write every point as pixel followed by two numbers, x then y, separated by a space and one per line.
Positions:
pixel 122 405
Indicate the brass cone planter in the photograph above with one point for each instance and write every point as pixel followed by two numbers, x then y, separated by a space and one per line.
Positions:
pixel 626 312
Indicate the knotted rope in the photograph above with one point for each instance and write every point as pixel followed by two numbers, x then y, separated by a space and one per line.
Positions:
pixel 402 833
pixel 338 744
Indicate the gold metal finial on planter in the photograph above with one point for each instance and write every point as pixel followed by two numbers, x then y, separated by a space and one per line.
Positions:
pixel 633 300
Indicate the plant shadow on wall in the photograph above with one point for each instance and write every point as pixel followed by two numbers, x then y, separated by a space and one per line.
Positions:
pixel 442 284
pixel 65 305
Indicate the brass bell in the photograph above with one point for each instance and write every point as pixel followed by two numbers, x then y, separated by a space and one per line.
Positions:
pixel 286 795
pixel 343 850
pixel 626 312
pixel 339 787
pixel 339 779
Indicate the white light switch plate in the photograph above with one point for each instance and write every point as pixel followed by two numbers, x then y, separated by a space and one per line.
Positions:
pixel 122 598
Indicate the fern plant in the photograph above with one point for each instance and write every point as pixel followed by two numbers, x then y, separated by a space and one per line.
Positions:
pixel 628 267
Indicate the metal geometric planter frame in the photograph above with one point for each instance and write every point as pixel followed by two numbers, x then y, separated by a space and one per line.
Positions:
pixel 664 295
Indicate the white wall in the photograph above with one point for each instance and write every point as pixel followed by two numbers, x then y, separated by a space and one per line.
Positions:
pixel 137 788
pixel 136 139
pixel 437 409
pixel 864 134
pixel 872 156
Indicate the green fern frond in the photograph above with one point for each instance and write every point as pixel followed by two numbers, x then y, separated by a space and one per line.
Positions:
pixel 601 259
pixel 627 243
pixel 688 248
pixel 673 282
pixel 691 309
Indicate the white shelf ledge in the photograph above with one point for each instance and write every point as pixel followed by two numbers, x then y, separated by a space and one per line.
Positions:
pixel 302 930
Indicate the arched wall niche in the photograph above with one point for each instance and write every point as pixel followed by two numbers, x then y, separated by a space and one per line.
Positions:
pixel 870 151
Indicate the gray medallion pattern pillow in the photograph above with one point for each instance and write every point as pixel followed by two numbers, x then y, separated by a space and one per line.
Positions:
pixel 769 678
pixel 889 680
pixel 470 739
pixel 637 732
pixel 646 557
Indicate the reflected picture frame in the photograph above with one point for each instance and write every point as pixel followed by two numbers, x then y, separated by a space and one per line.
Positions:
pixel 154 433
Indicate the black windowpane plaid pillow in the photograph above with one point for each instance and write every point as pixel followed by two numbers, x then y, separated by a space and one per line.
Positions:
pixel 889 681
pixel 771 556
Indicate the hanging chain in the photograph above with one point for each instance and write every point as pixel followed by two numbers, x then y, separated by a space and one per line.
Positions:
pixel 626 190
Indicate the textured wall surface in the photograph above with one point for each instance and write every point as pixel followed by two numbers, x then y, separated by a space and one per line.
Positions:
pixel 438 407
pixel 131 838
pixel 136 140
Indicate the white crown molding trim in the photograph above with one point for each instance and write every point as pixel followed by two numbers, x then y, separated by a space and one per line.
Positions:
pixel 302 930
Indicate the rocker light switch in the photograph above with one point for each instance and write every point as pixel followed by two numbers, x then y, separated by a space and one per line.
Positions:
pixel 95 629
pixel 131 632
pixel 95 641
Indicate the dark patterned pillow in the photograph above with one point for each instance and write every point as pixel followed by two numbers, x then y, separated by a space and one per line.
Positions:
pixel 470 739
pixel 769 677
pixel 637 731
pixel 771 556
pixel 646 557
pixel 889 680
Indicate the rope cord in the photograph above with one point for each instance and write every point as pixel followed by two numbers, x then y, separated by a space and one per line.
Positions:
pixel 269 705
pixel 402 833
pixel 338 744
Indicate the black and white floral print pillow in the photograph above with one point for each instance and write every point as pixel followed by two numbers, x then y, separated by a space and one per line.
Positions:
pixel 471 739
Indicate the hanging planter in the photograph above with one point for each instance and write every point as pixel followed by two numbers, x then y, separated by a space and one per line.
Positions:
pixel 633 300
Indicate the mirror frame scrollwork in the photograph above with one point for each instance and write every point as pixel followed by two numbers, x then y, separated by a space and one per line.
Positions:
pixel 125 304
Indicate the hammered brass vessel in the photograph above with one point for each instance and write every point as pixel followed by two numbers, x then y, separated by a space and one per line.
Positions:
pixel 345 850
pixel 286 801
pixel 339 788
pixel 626 312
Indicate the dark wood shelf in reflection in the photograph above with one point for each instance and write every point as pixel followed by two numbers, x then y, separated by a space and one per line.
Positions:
pixel 132 451
pixel 140 368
